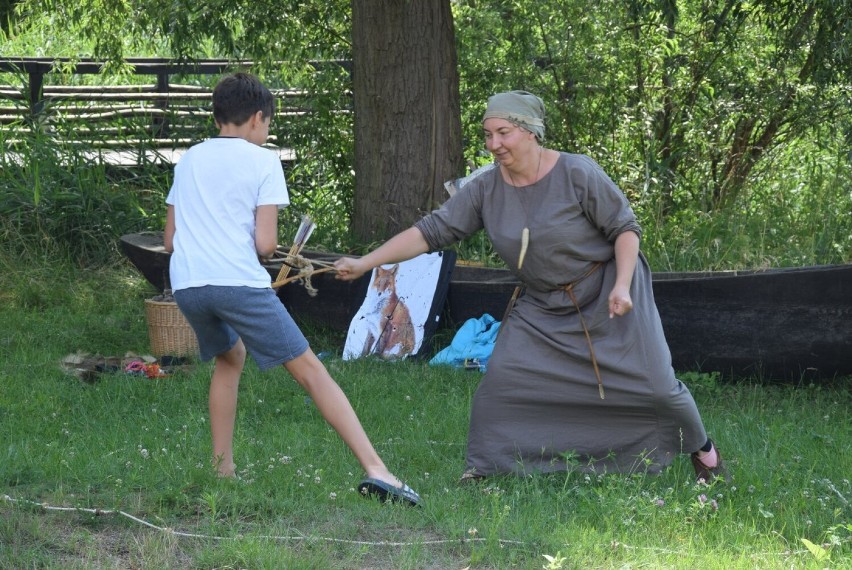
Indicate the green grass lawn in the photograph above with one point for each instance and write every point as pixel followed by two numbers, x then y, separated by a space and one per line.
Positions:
pixel 114 473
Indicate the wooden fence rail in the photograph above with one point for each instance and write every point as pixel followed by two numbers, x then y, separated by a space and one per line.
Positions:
pixel 128 119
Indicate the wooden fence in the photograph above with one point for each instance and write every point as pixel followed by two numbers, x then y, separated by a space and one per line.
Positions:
pixel 120 124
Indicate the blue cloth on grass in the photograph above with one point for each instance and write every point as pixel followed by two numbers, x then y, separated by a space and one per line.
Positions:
pixel 472 346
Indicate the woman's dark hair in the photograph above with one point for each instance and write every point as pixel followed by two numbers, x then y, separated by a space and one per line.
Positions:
pixel 238 96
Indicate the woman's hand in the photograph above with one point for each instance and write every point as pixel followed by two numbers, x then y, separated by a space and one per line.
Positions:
pixel 620 302
pixel 349 268
pixel 404 245
pixel 626 257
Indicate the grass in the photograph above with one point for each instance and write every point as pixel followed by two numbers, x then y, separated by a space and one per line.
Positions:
pixel 140 447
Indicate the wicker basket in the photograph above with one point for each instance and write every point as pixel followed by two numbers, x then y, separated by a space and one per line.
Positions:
pixel 168 330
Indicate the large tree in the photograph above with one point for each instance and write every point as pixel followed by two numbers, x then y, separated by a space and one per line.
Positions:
pixel 407 122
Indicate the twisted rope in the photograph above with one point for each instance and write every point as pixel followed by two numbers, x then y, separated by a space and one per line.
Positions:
pixel 306 271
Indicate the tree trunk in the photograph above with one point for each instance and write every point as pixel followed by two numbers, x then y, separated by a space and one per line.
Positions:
pixel 407 116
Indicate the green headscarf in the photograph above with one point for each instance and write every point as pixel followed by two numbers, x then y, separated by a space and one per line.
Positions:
pixel 520 108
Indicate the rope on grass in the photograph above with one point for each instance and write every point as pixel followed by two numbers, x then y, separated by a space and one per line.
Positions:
pixel 173 532
pixel 831 486
pixel 166 530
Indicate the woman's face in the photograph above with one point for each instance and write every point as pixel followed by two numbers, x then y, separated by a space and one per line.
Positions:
pixel 506 140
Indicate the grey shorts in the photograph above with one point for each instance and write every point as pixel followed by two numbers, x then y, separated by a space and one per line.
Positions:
pixel 221 315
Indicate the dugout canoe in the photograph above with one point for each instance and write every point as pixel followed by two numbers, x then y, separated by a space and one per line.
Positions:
pixel 785 324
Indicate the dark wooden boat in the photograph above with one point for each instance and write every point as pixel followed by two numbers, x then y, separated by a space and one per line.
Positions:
pixel 786 324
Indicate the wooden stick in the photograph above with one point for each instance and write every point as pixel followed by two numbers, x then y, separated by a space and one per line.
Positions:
pixel 302 234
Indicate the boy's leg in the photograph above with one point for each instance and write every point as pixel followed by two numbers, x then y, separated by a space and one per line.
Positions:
pixel 334 406
pixel 223 406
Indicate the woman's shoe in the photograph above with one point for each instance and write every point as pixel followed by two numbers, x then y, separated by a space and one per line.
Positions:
pixel 471 477
pixel 709 474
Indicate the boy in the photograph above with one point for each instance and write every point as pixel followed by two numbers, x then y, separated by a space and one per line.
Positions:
pixel 222 215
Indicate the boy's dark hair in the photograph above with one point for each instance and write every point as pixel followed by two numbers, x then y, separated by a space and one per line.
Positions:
pixel 238 96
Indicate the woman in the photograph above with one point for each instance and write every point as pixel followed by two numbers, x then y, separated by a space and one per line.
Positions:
pixel 580 377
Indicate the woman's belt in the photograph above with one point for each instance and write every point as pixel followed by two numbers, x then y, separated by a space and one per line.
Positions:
pixel 569 288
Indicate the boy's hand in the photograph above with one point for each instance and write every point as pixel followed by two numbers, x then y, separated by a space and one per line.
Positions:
pixel 349 268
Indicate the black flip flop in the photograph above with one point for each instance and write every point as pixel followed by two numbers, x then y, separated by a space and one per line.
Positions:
pixel 386 492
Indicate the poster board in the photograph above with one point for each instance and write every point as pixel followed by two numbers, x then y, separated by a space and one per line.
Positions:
pixel 401 308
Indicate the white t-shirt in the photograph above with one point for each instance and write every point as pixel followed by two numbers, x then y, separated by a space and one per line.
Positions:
pixel 218 185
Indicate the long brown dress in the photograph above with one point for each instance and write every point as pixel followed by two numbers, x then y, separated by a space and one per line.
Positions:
pixel 537 408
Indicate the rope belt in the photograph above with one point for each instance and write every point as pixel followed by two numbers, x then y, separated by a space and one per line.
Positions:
pixel 569 288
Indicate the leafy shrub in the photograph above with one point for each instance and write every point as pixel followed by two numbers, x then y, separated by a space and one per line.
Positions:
pixel 56 199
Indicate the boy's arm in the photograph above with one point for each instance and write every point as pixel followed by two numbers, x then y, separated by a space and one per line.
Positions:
pixel 266 229
pixel 169 235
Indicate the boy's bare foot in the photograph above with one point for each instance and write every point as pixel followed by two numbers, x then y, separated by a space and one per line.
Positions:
pixel 228 472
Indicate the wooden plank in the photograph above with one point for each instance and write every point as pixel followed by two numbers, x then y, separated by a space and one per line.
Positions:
pixel 112 120
pixel 137 96
pixel 140 65
pixel 131 157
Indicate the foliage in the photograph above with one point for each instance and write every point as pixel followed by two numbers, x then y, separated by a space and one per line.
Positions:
pixel 727 124
pixel 6 14
pixel 700 111
pixel 321 180
pixel 56 200
pixel 317 126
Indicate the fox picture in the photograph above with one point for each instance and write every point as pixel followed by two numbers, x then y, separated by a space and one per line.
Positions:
pixel 400 309
pixel 390 332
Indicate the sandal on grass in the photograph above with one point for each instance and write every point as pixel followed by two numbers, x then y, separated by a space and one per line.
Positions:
pixel 386 492
pixel 710 474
